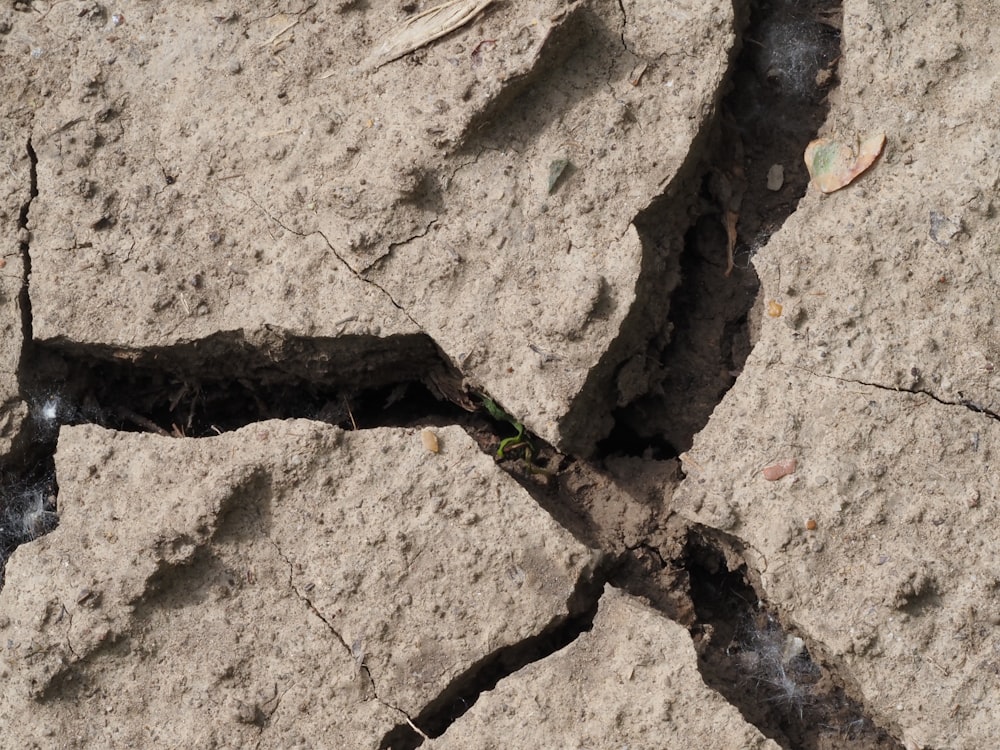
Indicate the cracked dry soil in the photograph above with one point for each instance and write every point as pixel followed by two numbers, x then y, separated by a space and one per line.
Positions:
pixel 256 296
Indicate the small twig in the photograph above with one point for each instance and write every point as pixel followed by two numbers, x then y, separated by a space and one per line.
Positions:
pixel 415 728
pixel 424 28
pixel 274 38
pixel 351 415
pixel 144 422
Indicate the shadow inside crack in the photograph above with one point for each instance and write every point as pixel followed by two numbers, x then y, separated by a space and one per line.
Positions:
pixel 463 692
pixel 762 668
pixel 27 505
pixel 202 391
pixel 179 397
pixel 753 177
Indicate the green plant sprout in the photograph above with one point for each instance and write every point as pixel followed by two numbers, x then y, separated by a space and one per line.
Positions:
pixel 520 440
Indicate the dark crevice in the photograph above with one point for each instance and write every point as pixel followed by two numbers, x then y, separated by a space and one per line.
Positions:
pixel 28 509
pixel 643 572
pixel 175 398
pixel 761 666
pixel 24 299
pixel 775 102
pixel 463 692
pixel 28 487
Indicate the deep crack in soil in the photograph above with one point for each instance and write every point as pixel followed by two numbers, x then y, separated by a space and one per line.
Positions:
pixel 463 692
pixel 776 102
pixel 775 105
pixel 764 670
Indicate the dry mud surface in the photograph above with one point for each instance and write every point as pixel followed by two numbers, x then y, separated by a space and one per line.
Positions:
pixel 513 393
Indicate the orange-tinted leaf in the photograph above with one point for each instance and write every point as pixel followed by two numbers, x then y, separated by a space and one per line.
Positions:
pixel 833 165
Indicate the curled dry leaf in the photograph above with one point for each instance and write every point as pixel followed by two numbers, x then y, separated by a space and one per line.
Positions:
pixel 833 165
pixel 776 471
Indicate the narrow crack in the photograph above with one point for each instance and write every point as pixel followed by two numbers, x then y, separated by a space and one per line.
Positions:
pixel 463 692
pixel 385 256
pixel 306 600
pixel 352 651
pixel 965 403
pixel 24 298
pixel 621 7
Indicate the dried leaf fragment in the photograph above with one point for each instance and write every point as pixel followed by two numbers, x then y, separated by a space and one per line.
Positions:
pixel 424 28
pixel 780 469
pixel 833 165
pixel 430 441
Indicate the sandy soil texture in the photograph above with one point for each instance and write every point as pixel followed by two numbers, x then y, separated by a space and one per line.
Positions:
pixel 513 389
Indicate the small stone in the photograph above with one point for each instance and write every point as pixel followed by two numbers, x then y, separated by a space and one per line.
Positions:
pixel 775 177
pixel 944 229
pixel 234 67
pixel 779 469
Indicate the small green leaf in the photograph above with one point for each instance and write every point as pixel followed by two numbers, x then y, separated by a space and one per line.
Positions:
pixel 556 170
pixel 495 411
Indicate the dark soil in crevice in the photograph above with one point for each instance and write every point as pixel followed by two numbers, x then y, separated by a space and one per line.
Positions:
pixel 777 101
pixel 763 669
pixel 665 584
pixel 463 692
pixel 125 396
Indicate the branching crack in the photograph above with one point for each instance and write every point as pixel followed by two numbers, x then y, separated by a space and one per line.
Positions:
pixel 392 246
pixel 375 283
pixel 343 261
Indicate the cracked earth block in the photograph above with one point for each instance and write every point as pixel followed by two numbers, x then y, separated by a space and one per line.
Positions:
pixel 249 175
pixel 15 195
pixel 893 584
pixel 631 681
pixel 879 376
pixel 288 577
pixel 872 288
